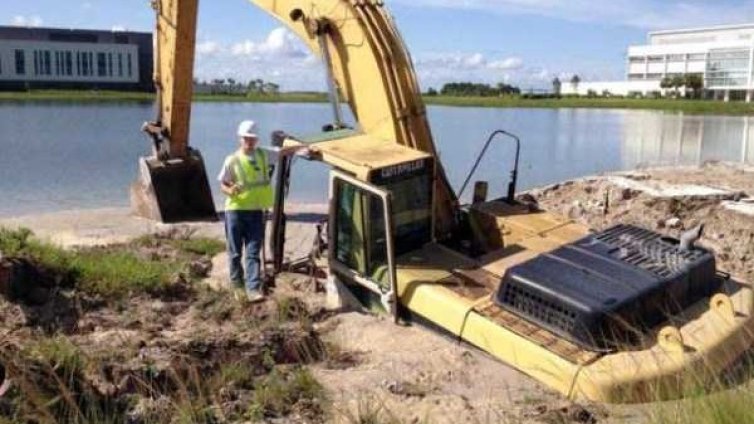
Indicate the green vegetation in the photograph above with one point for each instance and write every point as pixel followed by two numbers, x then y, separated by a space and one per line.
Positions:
pixel 119 334
pixel 151 264
pixel 469 89
pixel 87 96
pixel 284 391
pixel 671 105
pixel 75 96
pixel 512 101
pixel 288 97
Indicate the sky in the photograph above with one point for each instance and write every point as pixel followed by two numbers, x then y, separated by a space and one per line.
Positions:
pixel 521 42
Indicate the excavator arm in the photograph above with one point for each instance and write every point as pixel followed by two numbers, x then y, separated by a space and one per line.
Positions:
pixel 174 69
pixel 172 185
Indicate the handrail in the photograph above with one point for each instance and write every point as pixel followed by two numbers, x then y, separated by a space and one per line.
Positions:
pixel 514 173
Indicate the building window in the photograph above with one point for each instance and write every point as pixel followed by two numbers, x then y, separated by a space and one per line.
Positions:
pixel 69 63
pixel 57 63
pixel 728 68
pixel 78 63
pixel 656 59
pixel 101 64
pixel 36 62
pixel 1 65
pixel 676 58
pixel 85 64
pixel 654 76
pixel 91 63
pixel 697 57
pixel 120 65
pixel 47 62
pixel 128 64
pixel 110 64
pixel 635 77
pixel 636 59
pixel 20 62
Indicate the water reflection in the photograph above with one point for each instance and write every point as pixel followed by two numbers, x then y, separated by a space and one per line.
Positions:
pixel 652 139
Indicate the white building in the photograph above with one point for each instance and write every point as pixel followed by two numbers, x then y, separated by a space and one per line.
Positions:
pixel 722 55
pixel 63 58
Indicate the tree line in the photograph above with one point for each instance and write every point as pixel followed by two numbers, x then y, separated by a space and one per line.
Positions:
pixel 234 87
pixel 470 89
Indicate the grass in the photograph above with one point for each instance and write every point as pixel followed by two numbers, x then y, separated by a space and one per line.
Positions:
pixel 117 271
pixel 671 105
pixel 128 96
pixel 50 386
pixel 729 407
pixel 368 410
pixel 285 391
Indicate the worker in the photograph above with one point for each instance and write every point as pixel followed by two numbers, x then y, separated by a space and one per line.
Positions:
pixel 245 180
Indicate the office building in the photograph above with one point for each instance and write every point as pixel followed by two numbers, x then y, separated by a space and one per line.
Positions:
pixel 721 55
pixel 75 59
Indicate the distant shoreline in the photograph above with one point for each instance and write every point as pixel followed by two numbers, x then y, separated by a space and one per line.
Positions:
pixel 694 107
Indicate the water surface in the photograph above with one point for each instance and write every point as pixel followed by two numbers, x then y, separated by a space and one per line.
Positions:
pixel 57 156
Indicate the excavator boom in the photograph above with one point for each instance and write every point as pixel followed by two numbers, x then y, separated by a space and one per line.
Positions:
pixel 373 74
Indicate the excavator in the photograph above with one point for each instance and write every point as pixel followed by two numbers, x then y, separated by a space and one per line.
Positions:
pixel 621 315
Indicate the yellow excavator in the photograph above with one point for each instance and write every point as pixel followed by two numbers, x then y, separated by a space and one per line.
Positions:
pixel 622 315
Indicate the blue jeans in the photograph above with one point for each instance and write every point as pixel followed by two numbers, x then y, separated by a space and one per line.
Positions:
pixel 245 231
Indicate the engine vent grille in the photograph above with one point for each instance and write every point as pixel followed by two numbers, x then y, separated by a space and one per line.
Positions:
pixel 605 289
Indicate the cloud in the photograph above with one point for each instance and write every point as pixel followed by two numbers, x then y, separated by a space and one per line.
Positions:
pixel 26 21
pixel 280 58
pixel 646 14
pixel 436 69
pixel 118 28
pixel 509 63
pixel 280 43
pixel 208 48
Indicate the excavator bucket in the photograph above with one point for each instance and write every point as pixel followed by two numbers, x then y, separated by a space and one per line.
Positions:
pixel 173 190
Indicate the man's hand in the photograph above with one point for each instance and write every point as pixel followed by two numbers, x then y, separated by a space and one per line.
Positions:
pixel 231 189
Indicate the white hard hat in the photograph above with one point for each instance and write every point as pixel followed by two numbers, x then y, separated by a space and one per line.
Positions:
pixel 247 129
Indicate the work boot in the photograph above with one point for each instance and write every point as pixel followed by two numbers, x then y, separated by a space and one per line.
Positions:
pixel 254 296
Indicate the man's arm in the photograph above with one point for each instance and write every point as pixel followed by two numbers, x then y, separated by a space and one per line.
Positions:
pixel 226 178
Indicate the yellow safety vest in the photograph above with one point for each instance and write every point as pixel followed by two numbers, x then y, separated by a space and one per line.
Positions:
pixel 256 190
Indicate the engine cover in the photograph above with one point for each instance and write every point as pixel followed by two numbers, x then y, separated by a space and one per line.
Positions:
pixel 604 290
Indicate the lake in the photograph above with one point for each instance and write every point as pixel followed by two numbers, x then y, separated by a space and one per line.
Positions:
pixel 59 156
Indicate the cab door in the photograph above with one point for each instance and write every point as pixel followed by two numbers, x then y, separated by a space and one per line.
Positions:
pixel 362 237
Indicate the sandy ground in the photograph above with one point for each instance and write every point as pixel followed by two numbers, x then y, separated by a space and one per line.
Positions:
pixel 413 374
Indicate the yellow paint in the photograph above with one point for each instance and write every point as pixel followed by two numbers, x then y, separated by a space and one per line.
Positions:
pixel 712 340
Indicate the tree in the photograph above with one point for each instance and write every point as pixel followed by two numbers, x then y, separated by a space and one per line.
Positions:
pixel 556 85
pixel 695 83
pixel 270 88
pixel 677 81
pixel 575 80
pixel 431 92
pixel 666 83
pixel 252 88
